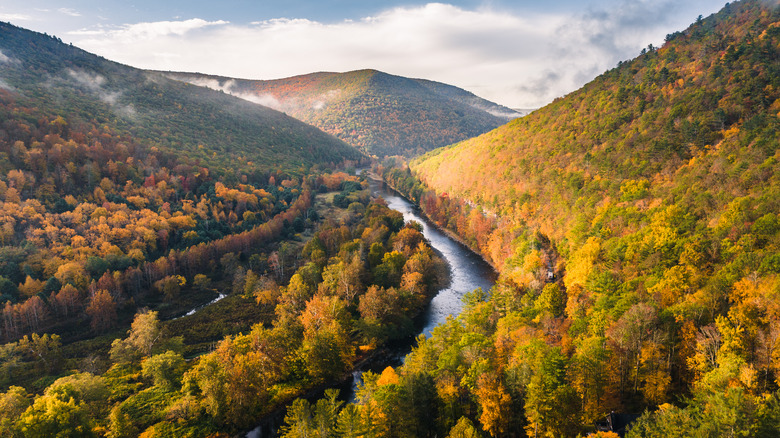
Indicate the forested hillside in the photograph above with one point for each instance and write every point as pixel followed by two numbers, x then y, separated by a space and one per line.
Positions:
pixel 635 225
pixel 379 113
pixel 114 182
pixel 127 200
pixel 52 79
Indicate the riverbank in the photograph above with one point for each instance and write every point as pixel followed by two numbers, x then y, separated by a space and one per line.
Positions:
pixel 468 271
pixel 444 230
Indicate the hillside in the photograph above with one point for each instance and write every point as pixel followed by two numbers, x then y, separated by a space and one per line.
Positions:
pixel 175 261
pixel 59 80
pixel 635 225
pixel 379 113
pixel 108 171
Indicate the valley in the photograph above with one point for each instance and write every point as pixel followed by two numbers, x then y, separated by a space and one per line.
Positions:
pixel 181 257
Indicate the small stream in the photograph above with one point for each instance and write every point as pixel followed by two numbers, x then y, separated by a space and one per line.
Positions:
pixel 468 271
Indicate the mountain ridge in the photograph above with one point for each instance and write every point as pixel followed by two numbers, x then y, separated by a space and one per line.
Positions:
pixel 66 80
pixel 368 108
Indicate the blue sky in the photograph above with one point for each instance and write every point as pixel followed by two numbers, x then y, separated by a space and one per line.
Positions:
pixel 518 53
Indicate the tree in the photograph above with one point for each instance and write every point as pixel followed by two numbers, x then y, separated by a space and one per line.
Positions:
pixel 31 287
pixel 44 350
pixel 12 404
pixel 67 300
pixel 328 352
pixel 50 416
pixel 165 369
pixel 464 428
pixel 551 405
pixel 388 273
pixel 201 282
pixel 298 422
pixel 102 311
pixel 495 404
pixel 170 286
pixel 552 300
pixel 326 412
pixel 85 388
pixel 33 312
pixel 344 279
pixel 145 332
pixel 143 338
pixel 630 332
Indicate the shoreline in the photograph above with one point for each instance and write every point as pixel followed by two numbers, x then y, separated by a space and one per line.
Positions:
pixel 447 232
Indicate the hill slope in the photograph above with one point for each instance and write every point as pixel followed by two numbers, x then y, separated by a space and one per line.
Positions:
pixel 379 113
pixel 635 224
pixel 42 72
pixel 115 182
pixel 700 111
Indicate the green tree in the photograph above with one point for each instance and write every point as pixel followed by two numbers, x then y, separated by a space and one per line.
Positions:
pixel 464 428
pixel 349 423
pixel 164 369
pixel 44 350
pixel 12 404
pixel 50 416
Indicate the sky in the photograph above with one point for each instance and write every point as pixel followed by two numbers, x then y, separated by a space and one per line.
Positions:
pixel 518 53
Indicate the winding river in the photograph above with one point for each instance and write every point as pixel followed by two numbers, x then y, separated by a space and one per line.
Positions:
pixel 467 272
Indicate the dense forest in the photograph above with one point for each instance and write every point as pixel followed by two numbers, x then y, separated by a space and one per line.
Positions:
pixel 180 262
pixel 634 223
pixel 120 215
pixel 379 113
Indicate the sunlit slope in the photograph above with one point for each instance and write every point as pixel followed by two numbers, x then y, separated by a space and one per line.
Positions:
pixel 691 124
pixel 379 113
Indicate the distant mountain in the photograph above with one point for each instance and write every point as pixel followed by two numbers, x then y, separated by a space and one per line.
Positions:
pixel 379 113
pixel 221 130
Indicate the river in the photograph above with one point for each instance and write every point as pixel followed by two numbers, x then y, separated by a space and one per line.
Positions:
pixel 468 271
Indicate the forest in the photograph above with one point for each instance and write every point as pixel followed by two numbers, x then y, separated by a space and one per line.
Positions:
pixel 166 277
pixel 107 242
pixel 634 225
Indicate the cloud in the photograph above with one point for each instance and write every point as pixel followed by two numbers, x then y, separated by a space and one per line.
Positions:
pixel 15 17
pixel 516 59
pixel 5 59
pixel 146 32
pixel 229 87
pixel 5 85
pixel 69 12
pixel 95 83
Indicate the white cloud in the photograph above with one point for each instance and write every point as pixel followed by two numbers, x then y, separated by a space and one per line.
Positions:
pixel 516 60
pixel 95 83
pixel 69 11
pixel 15 17
pixel 147 32
pixel 5 59
pixel 230 88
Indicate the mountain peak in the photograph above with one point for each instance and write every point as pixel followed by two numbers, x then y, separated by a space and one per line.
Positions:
pixel 380 113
